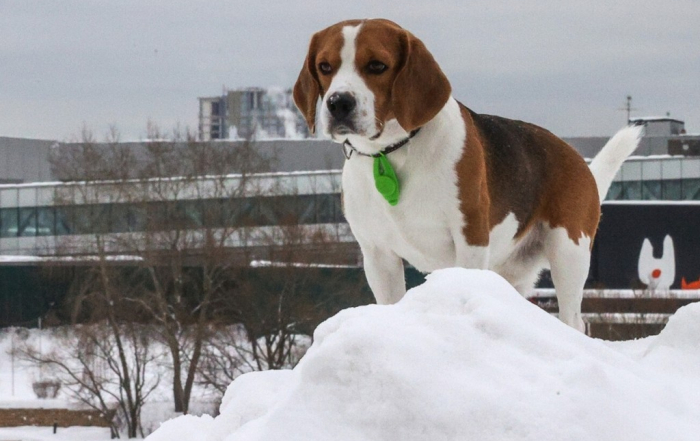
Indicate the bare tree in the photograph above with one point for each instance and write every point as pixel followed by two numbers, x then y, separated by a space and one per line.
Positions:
pixel 187 249
pixel 207 251
pixel 109 363
pixel 174 199
pixel 278 303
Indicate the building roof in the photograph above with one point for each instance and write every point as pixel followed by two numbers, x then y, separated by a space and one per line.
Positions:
pixel 655 119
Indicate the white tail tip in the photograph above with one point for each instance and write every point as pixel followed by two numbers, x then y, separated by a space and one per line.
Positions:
pixel 610 158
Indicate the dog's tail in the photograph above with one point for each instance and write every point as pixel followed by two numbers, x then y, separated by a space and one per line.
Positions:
pixel 609 160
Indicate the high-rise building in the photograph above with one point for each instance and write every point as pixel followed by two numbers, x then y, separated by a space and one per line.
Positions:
pixel 212 118
pixel 251 113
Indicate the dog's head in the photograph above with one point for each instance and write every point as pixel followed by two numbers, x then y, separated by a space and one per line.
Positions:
pixel 376 80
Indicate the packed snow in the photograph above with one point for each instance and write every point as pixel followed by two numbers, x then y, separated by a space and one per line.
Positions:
pixel 464 356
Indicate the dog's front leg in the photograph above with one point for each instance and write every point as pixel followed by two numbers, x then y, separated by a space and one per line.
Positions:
pixel 471 241
pixel 384 271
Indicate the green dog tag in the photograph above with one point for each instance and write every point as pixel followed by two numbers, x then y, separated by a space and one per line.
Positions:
pixel 385 179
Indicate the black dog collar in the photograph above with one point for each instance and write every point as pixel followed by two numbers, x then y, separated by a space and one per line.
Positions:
pixel 349 149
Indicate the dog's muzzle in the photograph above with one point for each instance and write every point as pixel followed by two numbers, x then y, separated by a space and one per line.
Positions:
pixel 341 106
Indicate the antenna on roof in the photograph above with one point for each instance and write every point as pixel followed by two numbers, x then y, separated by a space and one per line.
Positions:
pixel 628 107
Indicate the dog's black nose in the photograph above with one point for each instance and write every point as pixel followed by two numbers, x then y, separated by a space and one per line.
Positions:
pixel 340 105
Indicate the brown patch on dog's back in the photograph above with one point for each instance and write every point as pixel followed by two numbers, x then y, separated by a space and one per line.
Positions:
pixel 475 201
pixel 571 199
pixel 530 173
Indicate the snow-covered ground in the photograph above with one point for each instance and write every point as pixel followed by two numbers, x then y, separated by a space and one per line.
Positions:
pixel 16 378
pixel 465 357
pixel 461 357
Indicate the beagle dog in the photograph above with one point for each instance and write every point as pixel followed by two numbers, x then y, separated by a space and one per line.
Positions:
pixel 429 181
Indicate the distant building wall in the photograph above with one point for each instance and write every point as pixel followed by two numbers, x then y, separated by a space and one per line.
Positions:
pixel 28 160
pixel 587 146
pixel 24 160
pixel 652 145
pixel 284 155
pixel 304 155
pixel 662 136
pixel 660 126
pixel 688 145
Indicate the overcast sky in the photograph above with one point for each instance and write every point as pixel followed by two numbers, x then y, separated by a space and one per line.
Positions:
pixel 566 65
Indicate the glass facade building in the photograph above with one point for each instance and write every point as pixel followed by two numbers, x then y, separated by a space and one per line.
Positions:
pixel 664 178
pixel 32 212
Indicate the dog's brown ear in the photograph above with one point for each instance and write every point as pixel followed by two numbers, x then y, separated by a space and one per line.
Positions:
pixel 307 89
pixel 420 89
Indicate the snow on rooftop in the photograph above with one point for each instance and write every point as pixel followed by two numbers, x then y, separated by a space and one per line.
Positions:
pixel 693 294
pixel 261 175
pixel 67 259
pixel 652 202
pixel 464 357
pixel 279 264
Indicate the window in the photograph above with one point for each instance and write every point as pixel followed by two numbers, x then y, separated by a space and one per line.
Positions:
pixel 120 218
pixel 672 189
pixel 239 212
pixel 64 220
pixel 212 213
pixel 45 221
pixel 691 189
pixel 27 222
pixel 191 213
pixel 252 102
pixel 651 190
pixel 160 215
pixel 329 209
pixel 85 219
pixel 8 222
pixel 307 209
pixel 81 221
pixel 184 214
pixel 632 190
pixel 101 217
pixel 615 191
pixel 281 210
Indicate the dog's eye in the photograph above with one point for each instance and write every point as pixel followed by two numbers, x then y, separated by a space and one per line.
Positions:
pixel 376 67
pixel 325 68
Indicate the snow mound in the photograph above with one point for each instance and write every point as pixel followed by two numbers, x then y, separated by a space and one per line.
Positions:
pixel 464 356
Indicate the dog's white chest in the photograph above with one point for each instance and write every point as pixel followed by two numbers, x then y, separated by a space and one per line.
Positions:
pixel 417 229
pixel 420 227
